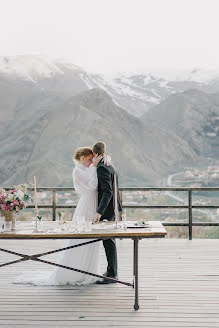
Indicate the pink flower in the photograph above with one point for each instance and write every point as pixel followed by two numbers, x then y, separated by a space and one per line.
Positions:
pixel 16 202
pixel 17 208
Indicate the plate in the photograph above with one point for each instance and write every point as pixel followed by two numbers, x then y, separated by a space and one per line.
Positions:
pixel 137 225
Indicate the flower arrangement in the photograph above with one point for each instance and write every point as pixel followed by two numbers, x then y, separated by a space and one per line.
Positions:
pixel 13 200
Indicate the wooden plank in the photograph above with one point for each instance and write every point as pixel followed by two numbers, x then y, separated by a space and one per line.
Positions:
pixel 178 288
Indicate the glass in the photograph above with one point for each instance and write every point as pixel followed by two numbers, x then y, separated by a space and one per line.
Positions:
pixel 71 226
pixel 7 226
pixel 67 226
pixel 40 224
pixel 2 221
pixel 60 219
pixel 49 226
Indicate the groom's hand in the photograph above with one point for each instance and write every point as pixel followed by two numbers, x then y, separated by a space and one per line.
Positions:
pixel 97 217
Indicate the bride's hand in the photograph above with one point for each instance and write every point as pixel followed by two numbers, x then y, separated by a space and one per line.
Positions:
pixel 107 160
pixel 97 218
pixel 96 160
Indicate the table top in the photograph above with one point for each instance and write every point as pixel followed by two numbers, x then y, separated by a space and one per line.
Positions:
pixel 100 230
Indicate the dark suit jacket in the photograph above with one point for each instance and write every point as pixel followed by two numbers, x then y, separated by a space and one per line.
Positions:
pixel 106 191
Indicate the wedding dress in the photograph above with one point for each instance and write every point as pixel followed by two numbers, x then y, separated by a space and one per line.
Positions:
pixel 84 258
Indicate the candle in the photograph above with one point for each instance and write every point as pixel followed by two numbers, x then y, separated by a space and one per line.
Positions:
pixel 35 195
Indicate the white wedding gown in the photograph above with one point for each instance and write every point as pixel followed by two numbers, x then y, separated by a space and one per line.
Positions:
pixel 84 258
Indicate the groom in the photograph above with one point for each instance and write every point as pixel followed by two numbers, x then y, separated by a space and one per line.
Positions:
pixel 105 210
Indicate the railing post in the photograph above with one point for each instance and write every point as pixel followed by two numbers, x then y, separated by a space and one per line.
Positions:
pixel 54 205
pixel 120 197
pixel 190 213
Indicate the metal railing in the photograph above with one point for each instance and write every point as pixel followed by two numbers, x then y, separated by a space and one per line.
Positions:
pixel 54 206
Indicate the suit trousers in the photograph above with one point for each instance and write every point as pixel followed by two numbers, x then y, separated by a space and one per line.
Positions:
pixel 111 255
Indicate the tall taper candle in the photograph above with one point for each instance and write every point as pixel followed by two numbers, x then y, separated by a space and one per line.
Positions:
pixel 35 195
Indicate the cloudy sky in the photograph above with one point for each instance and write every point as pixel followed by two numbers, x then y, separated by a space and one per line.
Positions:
pixel 105 35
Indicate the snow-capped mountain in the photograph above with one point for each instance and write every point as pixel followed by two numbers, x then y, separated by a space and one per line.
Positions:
pixel 203 75
pixel 196 74
pixel 140 92
pixel 33 68
pixel 137 93
pixel 134 92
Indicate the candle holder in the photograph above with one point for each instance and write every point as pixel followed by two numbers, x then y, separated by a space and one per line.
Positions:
pixel 117 220
pixel 36 230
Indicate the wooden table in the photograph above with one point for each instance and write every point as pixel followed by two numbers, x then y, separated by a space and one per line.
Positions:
pixel 100 232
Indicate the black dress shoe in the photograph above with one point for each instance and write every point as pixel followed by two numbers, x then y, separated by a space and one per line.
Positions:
pixel 106 281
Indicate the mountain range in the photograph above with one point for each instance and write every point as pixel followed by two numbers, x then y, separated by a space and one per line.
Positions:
pixel 48 108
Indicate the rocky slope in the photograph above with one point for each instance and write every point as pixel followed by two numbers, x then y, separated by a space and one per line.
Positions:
pixel 193 116
pixel 43 144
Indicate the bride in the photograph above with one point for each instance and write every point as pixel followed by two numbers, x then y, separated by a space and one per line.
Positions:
pixel 86 257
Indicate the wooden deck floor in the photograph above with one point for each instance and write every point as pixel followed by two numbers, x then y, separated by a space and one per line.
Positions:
pixel 179 287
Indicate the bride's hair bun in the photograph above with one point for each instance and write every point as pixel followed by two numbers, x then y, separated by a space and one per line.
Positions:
pixel 82 151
